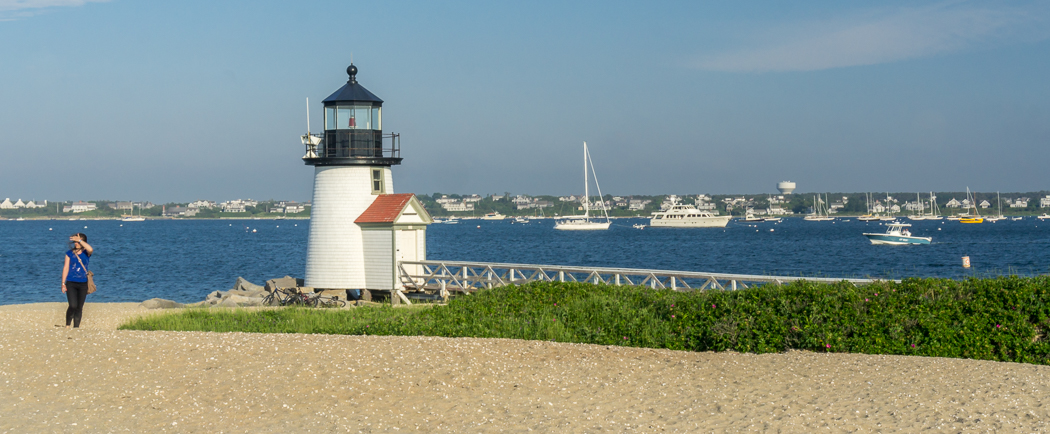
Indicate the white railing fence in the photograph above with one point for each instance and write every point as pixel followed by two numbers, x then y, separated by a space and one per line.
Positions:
pixel 443 277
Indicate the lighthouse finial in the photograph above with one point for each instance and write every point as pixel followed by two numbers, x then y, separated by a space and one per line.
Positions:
pixel 352 72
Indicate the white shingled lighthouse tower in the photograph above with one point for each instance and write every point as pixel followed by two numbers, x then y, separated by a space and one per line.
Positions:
pixel 359 229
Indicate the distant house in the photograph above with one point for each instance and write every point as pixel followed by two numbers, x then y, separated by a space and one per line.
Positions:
pixel 293 207
pixel 776 210
pixel 953 204
pixel 202 204
pixel 80 206
pixel 180 211
pixel 985 204
pixel 1018 203
pixel 458 206
pixel 637 204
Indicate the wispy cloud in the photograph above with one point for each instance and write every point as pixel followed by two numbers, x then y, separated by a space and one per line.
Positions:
pixel 15 9
pixel 885 36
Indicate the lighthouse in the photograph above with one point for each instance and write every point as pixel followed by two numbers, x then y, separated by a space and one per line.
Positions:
pixel 360 230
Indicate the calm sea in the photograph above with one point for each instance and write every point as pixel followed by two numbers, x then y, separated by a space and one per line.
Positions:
pixel 184 260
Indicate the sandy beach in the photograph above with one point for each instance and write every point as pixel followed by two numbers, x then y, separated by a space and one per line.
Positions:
pixel 99 379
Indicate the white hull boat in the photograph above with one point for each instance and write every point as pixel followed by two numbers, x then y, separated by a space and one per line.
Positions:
pixel 586 222
pixel 687 216
pixel 897 234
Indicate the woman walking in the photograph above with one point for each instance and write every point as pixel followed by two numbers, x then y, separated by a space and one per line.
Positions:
pixel 74 277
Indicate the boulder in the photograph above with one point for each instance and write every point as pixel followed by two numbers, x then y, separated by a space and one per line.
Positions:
pixel 244 285
pixel 160 303
pixel 243 301
pixel 256 294
pixel 228 302
pixel 283 282
pixel 217 295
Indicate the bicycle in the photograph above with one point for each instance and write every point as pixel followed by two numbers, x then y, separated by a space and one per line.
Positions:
pixel 296 297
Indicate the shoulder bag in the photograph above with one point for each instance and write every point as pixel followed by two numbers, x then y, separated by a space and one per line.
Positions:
pixel 90 276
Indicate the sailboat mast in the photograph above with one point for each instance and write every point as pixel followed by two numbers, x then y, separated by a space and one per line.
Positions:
pixel 586 191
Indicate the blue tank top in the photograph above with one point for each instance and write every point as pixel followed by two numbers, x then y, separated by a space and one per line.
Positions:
pixel 76 272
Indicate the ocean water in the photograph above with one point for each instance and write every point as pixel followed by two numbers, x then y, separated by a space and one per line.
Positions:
pixel 184 260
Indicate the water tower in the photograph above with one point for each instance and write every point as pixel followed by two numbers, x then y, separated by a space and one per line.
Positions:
pixel 786 187
pixel 359 229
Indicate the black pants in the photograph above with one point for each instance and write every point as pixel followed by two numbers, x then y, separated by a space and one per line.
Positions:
pixel 76 293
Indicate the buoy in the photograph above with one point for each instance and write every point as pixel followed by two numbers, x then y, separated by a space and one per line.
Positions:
pixel 50 229
pixel 966 261
pixel 85 227
pixel 938 228
pixel 771 230
pixel 253 231
pixel 479 226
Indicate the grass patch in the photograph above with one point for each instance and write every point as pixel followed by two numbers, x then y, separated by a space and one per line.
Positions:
pixel 1004 319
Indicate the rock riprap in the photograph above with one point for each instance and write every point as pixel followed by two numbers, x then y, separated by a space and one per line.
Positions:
pixel 243 294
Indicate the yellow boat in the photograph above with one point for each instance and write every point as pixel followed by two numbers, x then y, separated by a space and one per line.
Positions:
pixel 976 218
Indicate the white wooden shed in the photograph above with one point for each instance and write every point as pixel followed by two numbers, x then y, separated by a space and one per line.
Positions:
pixel 393 229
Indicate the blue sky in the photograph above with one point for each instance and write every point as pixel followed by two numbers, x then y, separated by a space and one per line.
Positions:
pixel 177 101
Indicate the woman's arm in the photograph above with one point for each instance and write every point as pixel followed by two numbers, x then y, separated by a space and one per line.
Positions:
pixel 87 247
pixel 65 273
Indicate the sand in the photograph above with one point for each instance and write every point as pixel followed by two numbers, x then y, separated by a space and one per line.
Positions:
pixel 99 379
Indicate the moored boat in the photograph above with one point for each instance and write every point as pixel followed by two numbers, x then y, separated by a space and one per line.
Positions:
pixel 687 216
pixel 897 234
pixel 495 215
pixel 585 222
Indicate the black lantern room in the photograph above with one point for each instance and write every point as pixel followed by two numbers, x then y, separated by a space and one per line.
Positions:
pixel 353 129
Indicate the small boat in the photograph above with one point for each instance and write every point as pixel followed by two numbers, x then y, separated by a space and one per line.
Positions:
pixel 1000 216
pixel 869 217
pixel 521 220
pixel 1044 216
pixel 897 234
pixel 1016 218
pixel 638 226
pixel 452 221
pixel 772 219
pixel 749 216
pixel 976 217
pixel 585 222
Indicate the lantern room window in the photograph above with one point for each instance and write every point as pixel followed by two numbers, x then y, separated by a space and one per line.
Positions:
pixel 353 117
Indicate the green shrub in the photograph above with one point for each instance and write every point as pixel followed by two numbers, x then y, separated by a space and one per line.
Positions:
pixel 1003 319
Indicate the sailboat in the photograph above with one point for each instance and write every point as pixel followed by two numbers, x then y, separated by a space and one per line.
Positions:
pixel 869 216
pixel 922 208
pixel 133 217
pixel 1000 216
pixel 976 217
pixel 935 211
pixel 585 222
pixel 820 211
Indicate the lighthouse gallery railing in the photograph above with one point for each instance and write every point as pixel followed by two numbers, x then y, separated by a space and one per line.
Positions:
pixel 448 276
